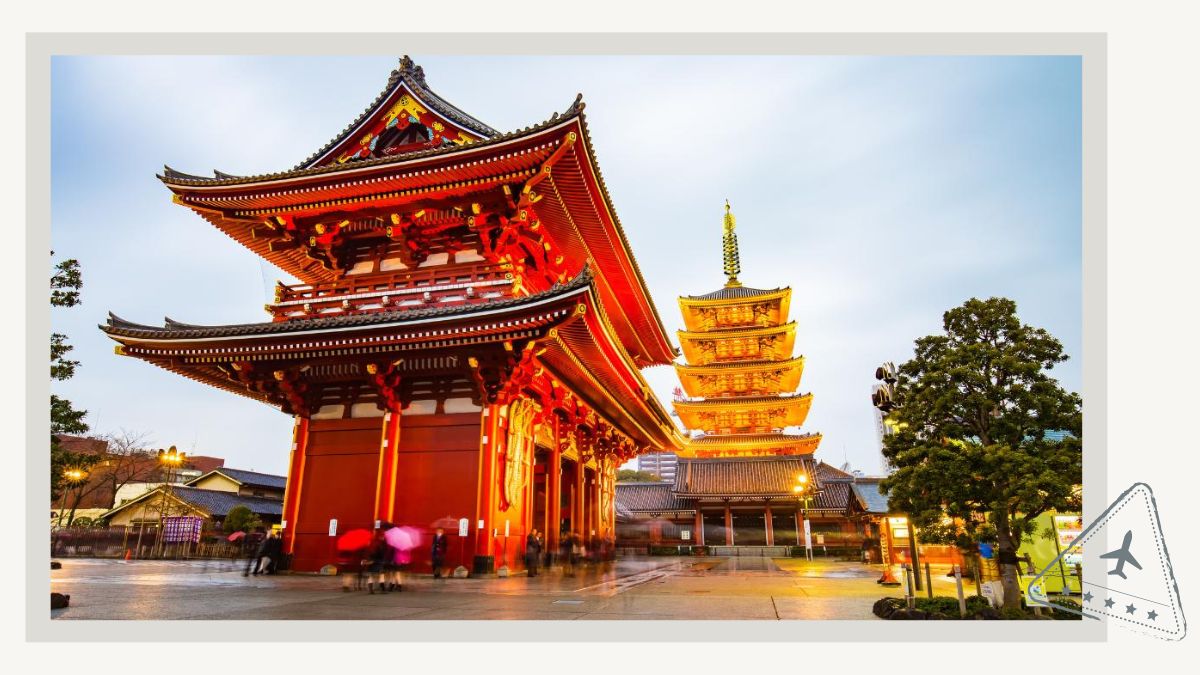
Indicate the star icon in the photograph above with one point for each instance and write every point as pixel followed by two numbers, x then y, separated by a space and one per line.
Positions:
pixel 1108 602
pixel 1152 615
pixel 1130 609
pixel 1087 597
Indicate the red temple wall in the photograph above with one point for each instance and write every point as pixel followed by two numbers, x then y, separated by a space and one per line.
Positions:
pixel 340 466
pixel 437 476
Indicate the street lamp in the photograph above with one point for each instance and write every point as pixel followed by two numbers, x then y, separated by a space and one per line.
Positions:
pixel 172 459
pixel 75 478
pixel 803 492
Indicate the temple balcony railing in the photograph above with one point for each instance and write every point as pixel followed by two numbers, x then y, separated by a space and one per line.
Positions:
pixel 440 286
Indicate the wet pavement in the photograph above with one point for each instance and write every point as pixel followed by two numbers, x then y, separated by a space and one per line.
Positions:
pixel 631 588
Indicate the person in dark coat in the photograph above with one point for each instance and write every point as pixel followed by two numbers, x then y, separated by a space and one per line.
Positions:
pixel 382 556
pixel 568 560
pixel 263 556
pixel 438 552
pixel 533 552
pixel 274 552
pixel 254 543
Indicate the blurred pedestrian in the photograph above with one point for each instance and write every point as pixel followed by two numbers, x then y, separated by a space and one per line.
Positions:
pixel 564 552
pixel 533 552
pixel 350 566
pixel 437 551
pixel 274 552
pixel 379 554
pixel 252 543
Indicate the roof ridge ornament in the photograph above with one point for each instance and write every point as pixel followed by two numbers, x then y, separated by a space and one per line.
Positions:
pixel 733 265
pixel 407 66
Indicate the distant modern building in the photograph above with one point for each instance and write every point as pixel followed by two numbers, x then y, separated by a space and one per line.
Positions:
pixel 661 464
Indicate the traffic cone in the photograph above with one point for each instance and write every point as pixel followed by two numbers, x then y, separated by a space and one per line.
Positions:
pixel 128 554
pixel 888 579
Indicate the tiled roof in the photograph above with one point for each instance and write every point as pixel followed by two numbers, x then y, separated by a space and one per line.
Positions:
pixel 869 495
pixel 173 177
pixel 175 330
pixel 82 444
pixel 253 478
pixel 740 476
pixel 650 498
pixel 828 472
pixel 216 503
pixel 734 293
pixel 413 76
pixel 832 497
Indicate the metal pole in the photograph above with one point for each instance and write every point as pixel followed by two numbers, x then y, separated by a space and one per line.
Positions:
pixel 913 550
pixel 962 602
pixel 928 581
pixel 908 587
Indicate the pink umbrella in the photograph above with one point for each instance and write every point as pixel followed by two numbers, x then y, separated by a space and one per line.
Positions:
pixel 235 536
pixel 403 538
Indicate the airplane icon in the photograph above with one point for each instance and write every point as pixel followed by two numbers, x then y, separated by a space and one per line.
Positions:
pixel 1122 556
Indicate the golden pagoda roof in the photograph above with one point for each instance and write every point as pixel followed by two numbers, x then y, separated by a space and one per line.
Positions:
pixel 697 379
pixel 785 335
pixel 735 295
pixel 751 445
pixel 699 414
pixel 738 366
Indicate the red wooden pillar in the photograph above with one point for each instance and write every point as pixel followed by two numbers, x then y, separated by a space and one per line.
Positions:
pixel 385 484
pixel 577 519
pixel 554 491
pixel 295 482
pixel 485 502
pixel 699 538
pixel 770 526
pixel 799 528
pixel 728 526
pixel 594 506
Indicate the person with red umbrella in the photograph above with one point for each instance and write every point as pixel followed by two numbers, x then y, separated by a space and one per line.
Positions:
pixel 351 551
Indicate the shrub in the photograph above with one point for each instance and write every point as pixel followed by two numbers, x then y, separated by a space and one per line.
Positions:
pixel 1071 609
pixel 241 518
pixel 947 607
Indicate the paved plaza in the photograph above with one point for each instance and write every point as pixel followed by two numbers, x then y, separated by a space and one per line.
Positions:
pixel 631 588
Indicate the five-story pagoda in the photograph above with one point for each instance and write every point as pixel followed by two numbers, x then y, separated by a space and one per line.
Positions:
pixel 740 378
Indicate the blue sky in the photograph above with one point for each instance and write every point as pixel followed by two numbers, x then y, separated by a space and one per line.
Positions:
pixel 883 190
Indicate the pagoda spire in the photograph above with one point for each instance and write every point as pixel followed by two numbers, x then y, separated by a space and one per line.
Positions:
pixel 733 264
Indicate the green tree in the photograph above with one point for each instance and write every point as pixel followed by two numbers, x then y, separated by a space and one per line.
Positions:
pixel 631 476
pixel 241 518
pixel 66 282
pixel 973 410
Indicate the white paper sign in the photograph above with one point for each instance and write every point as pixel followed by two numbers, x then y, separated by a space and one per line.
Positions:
pixel 333 527
pixel 506 528
pixel 463 523
pixel 807 534
pixel 685 535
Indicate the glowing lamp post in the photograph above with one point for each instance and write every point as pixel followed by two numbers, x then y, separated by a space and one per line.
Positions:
pixel 75 478
pixel 172 459
pixel 803 492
